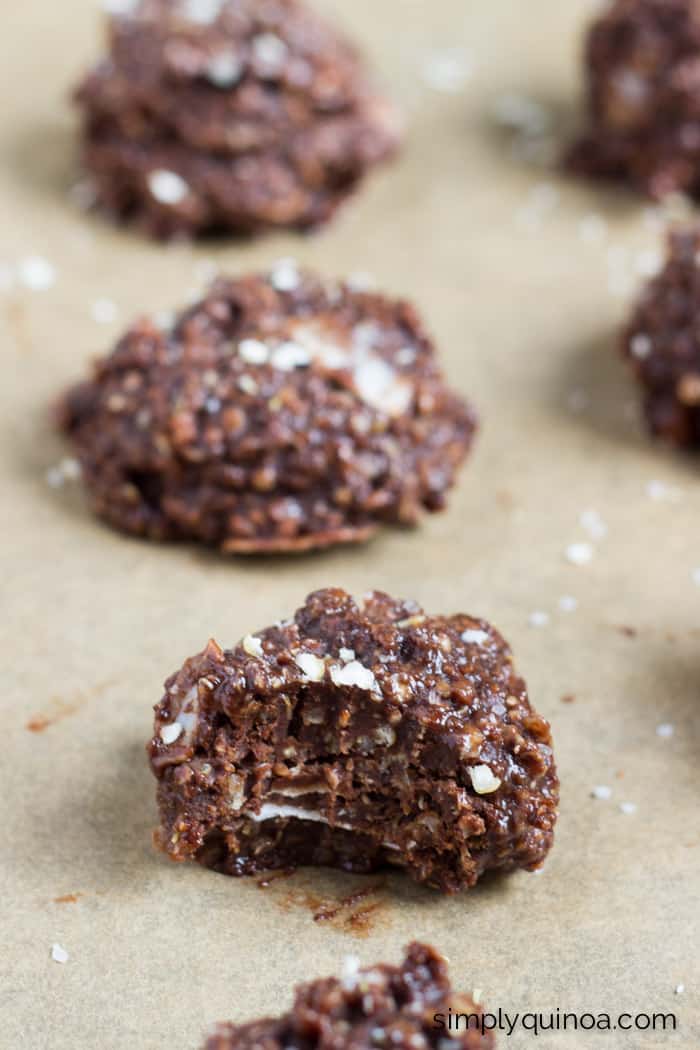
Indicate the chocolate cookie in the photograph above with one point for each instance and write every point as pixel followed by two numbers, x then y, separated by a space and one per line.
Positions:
pixel 379 1008
pixel 643 72
pixel 662 340
pixel 278 414
pixel 357 735
pixel 214 116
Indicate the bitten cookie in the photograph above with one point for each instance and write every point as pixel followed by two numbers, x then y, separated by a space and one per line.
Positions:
pixel 378 1008
pixel 278 414
pixel 357 735
pixel 643 82
pixel 228 116
pixel 662 341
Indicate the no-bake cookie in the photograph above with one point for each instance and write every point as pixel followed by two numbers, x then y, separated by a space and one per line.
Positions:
pixel 662 341
pixel 643 85
pixel 211 116
pixel 378 1008
pixel 278 414
pixel 360 734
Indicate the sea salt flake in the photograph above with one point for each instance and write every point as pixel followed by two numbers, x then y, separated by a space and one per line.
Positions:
pixel 284 276
pixel 579 553
pixel 289 356
pixel 248 385
pixel 70 468
pixel 37 273
pixel 59 954
pixel 104 311
pixel 447 71
pixel 347 655
pixel 665 730
pixel 269 50
pixel 660 492
pixel 54 477
pixel 253 351
pixel 641 345
pixel 224 69
pixel 567 603
pixel 202 12
pixel 538 619
pixel 170 733
pixel 167 187
pixel 602 792
pixel 475 636
pixel 379 386
pixel 592 522
pixel 350 974
pixel 483 779
pixel 354 673
pixel 361 281
pixel 679 989
pixel 648 263
pixel 253 646
pixel 628 808
pixel 310 665
pixel 695 577
pixel 120 8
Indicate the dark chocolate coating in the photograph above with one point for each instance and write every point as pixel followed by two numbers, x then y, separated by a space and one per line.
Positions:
pixel 662 341
pixel 264 111
pixel 270 420
pixel 408 740
pixel 379 1008
pixel 643 83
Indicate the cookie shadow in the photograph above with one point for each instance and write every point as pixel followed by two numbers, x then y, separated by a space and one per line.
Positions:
pixel 595 391
pixel 537 140
pixel 42 158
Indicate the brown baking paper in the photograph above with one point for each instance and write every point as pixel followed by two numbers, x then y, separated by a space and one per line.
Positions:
pixel 524 300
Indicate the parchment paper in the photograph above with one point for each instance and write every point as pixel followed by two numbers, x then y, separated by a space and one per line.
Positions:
pixel 524 302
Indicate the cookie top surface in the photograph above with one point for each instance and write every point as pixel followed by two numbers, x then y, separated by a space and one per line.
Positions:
pixel 641 54
pixel 232 76
pixel 452 676
pixel 282 410
pixel 380 1006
